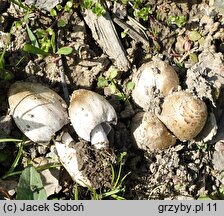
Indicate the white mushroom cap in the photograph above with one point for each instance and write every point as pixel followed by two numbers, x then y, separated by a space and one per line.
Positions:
pixel 90 115
pixel 38 111
pixel 153 76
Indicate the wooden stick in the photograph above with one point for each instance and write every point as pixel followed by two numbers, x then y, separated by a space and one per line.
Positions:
pixel 105 34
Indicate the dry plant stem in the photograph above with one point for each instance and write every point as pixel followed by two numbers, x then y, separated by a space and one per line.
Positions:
pixel 131 21
pixel 62 71
pixel 187 54
pixel 131 31
pixel 105 34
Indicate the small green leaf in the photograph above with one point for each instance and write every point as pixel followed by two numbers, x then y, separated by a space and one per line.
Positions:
pixel 34 50
pixel 102 82
pixel 180 21
pixel 32 37
pixel 87 4
pixel 18 23
pixel 113 87
pixel 193 57
pixel 113 73
pixel 131 85
pixel 124 33
pixel 68 5
pixel 194 36
pixel 64 51
pixel 121 96
pixel 59 7
pixel 41 33
pixel 6 75
pixel 30 186
pixel 98 9
pixel 53 12
pixel 50 31
pixel 143 13
pixel 61 23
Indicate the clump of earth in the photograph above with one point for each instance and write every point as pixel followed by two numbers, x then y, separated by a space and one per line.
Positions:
pixel 188 170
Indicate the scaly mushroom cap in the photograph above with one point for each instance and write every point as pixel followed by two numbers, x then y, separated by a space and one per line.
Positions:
pixel 150 133
pixel 88 110
pixel 184 115
pixel 150 77
pixel 37 111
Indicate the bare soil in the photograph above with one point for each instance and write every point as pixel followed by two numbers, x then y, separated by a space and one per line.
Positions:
pixel 188 170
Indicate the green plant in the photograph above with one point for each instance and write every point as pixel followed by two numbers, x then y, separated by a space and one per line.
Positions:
pixel 30 186
pixel 112 82
pixel 5 74
pixel 124 33
pixel 109 81
pixel 116 181
pixel 96 8
pixel 143 13
pixel 179 21
pixel 20 144
pixel 42 42
pixel 45 43
pixel 141 9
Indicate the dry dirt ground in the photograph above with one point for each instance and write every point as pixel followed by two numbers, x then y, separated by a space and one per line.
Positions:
pixel 188 170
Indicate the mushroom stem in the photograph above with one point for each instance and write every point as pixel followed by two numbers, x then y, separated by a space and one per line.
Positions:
pixel 98 137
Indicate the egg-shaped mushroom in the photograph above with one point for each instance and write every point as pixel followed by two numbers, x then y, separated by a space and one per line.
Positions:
pixel 184 115
pixel 150 133
pixel 37 110
pixel 151 77
pixel 91 115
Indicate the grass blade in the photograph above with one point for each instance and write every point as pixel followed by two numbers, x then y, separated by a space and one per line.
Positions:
pixel 32 37
pixel 10 140
pixel 34 50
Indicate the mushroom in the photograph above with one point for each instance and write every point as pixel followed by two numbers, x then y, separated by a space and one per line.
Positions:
pixel 91 116
pixel 150 133
pixel 38 111
pixel 184 115
pixel 67 153
pixel 153 77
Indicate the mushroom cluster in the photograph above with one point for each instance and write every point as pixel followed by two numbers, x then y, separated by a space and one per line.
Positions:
pixel 183 115
pixel 39 113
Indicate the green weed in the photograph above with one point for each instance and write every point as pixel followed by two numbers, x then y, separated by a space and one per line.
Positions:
pixel 112 82
pixel 179 21
pixel 116 181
